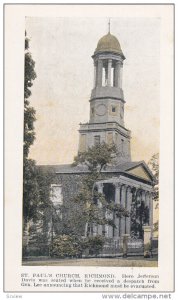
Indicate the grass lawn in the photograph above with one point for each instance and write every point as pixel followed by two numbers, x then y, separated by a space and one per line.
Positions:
pixel 100 262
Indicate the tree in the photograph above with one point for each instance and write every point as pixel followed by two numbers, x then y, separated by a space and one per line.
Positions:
pixel 30 185
pixel 30 191
pixel 37 206
pixel 154 166
pixel 29 112
pixel 139 217
pixel 96 160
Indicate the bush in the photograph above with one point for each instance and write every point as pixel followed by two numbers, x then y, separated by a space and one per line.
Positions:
pixel 95 244
pixel 66 246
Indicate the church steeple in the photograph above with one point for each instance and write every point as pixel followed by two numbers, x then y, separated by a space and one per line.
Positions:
pixel 108 62
pixel 106 122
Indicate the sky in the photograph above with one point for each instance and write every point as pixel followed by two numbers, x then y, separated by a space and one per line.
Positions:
pixel 62 50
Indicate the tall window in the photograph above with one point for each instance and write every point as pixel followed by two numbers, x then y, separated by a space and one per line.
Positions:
pixel 56 194
pixel 96 140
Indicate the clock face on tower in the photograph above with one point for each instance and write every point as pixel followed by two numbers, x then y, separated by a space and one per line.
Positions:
pixel 101 110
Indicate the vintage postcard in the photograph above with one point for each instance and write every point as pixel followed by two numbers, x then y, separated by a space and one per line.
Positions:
pixel 89 203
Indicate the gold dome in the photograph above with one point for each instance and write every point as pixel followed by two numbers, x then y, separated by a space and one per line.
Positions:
pixel 109 43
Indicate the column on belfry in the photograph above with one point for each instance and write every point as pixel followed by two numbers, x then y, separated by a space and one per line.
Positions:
pixel 117 201
pixel 99 73
pixel 120 75
pixel 116 74
pixel 100 190
pixel 128 207
pixel 109 71
pixel 122 202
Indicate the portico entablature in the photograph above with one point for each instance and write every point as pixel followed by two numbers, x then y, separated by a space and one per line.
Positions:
pixel 122 180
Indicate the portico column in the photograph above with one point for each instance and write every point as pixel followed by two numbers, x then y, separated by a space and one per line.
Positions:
pixel 147 204
pixel 99 73
pixel 117 201
pixel 100 190
pixel 122 202
pixel 144 197
pixel 147 199
pixel 151 212
pixel 109 71
pixel 128 219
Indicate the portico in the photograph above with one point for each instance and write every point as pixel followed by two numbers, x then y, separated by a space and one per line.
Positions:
pixel 126 192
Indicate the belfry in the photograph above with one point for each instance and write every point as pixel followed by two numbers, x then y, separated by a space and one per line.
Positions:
pixel 106 123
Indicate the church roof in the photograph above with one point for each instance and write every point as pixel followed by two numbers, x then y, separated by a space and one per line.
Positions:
pixel 108 43
pixel 126 167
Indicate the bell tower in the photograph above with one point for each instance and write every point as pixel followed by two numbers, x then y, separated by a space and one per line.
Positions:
pixel 106 123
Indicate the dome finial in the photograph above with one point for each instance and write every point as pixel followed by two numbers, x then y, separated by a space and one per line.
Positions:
pixel 109 24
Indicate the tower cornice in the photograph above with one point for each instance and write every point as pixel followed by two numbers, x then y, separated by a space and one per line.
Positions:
pixel 114 98
pixel 105 55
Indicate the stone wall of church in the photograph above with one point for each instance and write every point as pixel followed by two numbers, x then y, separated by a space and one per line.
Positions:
pixel 70 186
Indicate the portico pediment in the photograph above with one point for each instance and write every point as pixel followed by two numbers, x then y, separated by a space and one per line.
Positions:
pixel 140 171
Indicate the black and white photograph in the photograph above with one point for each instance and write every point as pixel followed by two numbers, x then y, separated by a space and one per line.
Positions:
pixel 100 204
pixel 92 125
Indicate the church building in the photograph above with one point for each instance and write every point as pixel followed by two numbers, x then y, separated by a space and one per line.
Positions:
pixel 126 182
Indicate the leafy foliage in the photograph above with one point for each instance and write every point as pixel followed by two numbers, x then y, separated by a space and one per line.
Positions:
pixel 37 211
pixel 94 244
pixel 29 112
pixel 156 226
pixel 139 217
pixel 30 190
pixel 69 245
pixel 95 205
pixel 30 184
pixel 73 220
pixel 66 246
pixel 38 240
pixel 154 166
pixel 97 157
pixel 37 206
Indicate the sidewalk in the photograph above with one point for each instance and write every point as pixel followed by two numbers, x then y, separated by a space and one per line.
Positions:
pixel 100 262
